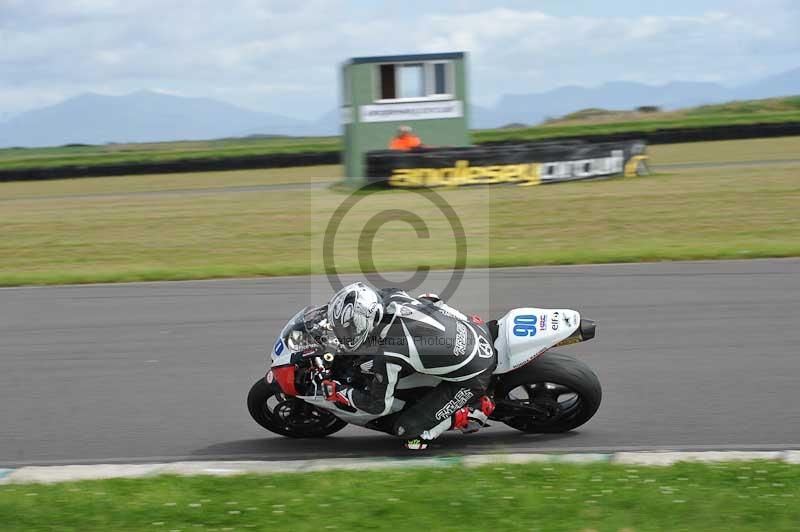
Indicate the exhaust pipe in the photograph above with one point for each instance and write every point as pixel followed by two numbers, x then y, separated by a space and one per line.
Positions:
pixel 585 331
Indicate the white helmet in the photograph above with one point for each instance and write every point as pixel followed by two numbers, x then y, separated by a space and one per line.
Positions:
pixel 353 312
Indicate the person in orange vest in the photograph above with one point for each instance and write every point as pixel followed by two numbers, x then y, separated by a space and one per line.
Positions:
pixel 405 140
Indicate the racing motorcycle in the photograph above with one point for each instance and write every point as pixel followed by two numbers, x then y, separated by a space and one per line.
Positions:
pixel 534 389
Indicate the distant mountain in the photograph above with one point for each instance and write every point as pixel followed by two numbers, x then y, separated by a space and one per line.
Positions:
pixel 328 124
pixel 151 116
pixel 534 108
pixel 139 117
pixel 783 84
pixel 479 115
pixel 623 95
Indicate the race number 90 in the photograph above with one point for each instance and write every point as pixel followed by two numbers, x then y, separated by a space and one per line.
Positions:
pixel 525 325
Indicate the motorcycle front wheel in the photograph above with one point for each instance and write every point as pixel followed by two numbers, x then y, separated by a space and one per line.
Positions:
pixel 554 393
pixel 289 416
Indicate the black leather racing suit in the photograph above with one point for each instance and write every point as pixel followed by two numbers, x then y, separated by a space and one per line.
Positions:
pixel 425 336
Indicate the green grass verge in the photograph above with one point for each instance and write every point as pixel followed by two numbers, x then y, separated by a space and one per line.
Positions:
pixel 542 497
pixel 773 106
pixel 746 112
pixel 716 213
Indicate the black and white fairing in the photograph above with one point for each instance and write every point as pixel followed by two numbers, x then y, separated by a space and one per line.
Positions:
pixel 435 342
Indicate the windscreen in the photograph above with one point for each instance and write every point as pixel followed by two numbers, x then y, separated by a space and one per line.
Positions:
pixel 295 335
pixel 305 330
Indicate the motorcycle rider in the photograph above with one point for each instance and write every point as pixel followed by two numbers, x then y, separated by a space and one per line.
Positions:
pixel 404 335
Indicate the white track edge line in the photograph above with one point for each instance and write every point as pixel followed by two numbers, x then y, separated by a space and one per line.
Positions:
pixel 321 276
pixel 70 473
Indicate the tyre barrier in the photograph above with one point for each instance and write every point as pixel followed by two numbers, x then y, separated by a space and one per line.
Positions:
pixel 276 160
pixel 283 160
pixel 530 163
pixel 688 134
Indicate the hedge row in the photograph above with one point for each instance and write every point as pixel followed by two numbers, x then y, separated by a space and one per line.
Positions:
pixel 689 134
pixel 276 160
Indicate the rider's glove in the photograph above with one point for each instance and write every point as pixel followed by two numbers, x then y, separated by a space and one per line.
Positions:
pixel 336 392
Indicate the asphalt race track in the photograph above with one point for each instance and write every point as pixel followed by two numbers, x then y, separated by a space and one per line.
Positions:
pixel 701 355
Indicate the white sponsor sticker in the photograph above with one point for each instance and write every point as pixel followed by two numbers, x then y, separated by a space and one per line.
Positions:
pixel 397 112
pixel 484 348
pixel 460 347
pixel 454 404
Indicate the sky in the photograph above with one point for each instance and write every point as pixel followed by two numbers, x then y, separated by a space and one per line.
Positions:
pixel 282 56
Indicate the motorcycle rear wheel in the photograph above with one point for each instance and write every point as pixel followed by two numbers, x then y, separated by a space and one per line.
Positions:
pixel 289 416
pixel 564 388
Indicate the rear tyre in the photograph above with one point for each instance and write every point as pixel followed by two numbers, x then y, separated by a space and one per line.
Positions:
pixel 289 416
pixel 565 392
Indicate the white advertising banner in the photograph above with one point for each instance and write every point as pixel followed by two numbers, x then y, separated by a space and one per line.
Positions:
pixel 397 112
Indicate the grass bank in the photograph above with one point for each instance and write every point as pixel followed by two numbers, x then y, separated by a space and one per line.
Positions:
pixel 542 497
pixel 87 234
pixel 602 121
